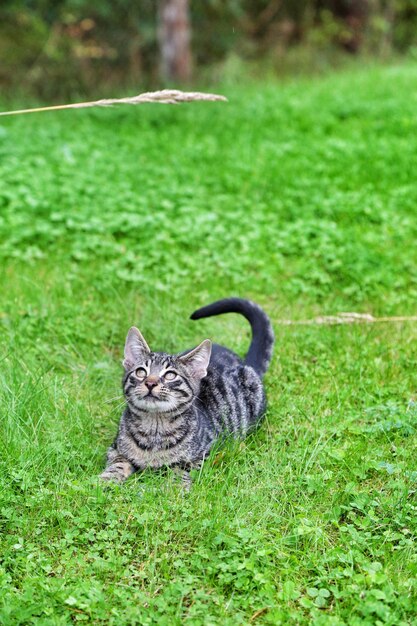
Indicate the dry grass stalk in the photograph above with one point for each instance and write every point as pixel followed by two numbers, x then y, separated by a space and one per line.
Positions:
pixel 166 96
pixel 348 318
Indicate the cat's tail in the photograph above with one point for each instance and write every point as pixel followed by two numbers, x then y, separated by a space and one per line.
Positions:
pixel 260 350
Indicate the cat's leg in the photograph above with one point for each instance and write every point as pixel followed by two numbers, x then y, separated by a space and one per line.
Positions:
pixel 118 468
pixel 186 480
pixel 183 473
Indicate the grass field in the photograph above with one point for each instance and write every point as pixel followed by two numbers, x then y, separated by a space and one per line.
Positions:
pixel 301 196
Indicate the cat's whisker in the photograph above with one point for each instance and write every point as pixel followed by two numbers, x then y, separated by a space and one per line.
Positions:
pixel 120 406
pixel 119 397
pixel 196 400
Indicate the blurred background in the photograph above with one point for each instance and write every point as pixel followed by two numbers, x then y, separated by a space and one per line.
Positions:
pixel 64 48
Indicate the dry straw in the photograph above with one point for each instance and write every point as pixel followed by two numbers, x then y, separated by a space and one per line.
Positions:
pixel 348 318
pixel 166 96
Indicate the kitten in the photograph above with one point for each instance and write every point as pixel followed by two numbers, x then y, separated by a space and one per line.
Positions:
pixel 179 405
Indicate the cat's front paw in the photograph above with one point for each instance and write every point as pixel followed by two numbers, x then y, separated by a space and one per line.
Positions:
pixel 111 477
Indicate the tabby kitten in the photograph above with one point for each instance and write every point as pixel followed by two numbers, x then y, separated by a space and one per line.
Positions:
pixel 179 405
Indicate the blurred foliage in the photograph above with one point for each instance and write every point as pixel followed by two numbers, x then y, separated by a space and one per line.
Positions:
pixel 60 47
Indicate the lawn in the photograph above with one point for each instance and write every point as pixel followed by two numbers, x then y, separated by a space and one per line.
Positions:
pixel 301 196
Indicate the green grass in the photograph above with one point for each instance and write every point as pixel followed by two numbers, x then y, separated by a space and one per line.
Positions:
pixel 301 196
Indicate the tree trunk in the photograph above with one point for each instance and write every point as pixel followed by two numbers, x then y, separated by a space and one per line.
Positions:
pixel 355 14
pixel 174 34
pixel 388 36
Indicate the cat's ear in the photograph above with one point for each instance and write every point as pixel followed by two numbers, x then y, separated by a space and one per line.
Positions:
pixel 198 359
pixel 136 348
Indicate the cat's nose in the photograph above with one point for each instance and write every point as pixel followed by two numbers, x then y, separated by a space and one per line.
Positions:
pixel 151 382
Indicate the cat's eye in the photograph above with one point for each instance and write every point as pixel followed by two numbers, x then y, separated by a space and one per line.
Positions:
pixel 170 375
pixel 140 372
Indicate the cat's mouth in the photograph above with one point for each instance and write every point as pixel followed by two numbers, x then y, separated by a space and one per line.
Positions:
pixel 150 396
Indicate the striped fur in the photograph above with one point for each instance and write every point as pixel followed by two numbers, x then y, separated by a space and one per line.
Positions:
pixel 179 405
